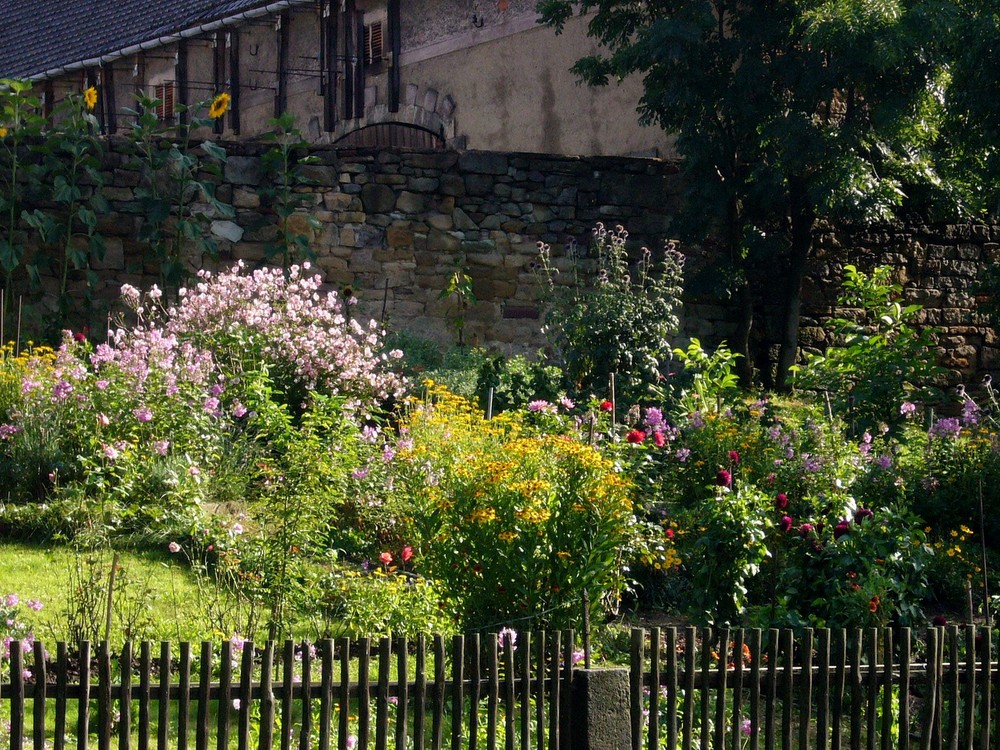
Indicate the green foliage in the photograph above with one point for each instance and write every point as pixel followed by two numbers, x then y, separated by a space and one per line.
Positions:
pixel 459 291
pixel 515 529
pixel 784 114
pixel 283 191
pixel 609 317
pixel 877 361
pixel 713 384
pixel 177 193
pixel 516 381
pixel 727 551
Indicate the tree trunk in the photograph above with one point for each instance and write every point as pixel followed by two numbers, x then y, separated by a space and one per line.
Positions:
pixel 801 218
pixel 741 337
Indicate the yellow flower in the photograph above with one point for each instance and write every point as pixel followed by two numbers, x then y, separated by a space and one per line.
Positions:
pixel 3 132
pixel 220 105
pixel 90 97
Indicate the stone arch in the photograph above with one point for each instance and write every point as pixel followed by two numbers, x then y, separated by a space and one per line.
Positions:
pixel 426 109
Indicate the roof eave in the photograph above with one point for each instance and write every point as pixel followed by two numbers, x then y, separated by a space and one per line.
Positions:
pixel 154 43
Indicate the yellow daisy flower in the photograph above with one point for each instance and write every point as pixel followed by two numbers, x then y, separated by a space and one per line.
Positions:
pixel 90 97
pixel 3 132
pixel 219 106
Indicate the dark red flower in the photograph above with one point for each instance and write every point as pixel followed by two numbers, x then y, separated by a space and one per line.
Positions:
pixel 781 501
pixel 606 406
pixel 669 533
pixel 734 457
pixel 723 478
pixel 844 527
pixel 659 439
pixel 805 530
pixel 939 621
pixel 861 514
pixel 786 523
pixel 636 436
pixel 79 337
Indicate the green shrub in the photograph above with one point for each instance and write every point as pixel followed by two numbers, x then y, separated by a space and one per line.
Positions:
pixel 610 317
pixel 876 362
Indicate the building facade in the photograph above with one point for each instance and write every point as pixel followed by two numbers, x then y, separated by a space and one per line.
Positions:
pixel 477 74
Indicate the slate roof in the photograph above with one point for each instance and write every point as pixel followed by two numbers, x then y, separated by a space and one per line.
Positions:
pixel 39 35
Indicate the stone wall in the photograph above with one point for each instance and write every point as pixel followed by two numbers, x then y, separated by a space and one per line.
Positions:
pixel 393 224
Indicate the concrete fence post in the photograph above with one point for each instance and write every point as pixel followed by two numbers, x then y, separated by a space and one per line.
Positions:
pixel 599 710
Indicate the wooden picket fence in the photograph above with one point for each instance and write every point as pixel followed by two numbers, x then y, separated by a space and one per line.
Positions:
pixel 831 690
pixel 690 689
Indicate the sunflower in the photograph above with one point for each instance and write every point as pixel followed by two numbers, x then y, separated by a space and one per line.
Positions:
pixel 219 106
pixel 90 97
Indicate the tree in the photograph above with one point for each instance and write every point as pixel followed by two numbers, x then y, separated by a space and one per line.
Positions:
pixel 786 114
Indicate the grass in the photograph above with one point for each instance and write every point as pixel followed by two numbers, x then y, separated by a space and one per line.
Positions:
pixel 153 592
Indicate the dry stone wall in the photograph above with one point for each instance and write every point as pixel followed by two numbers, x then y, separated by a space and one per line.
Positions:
pixel 393 224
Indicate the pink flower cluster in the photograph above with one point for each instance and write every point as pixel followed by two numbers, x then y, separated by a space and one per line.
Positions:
pixel 291 323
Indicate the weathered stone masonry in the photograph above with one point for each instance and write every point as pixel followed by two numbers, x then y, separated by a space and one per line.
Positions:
pixel 393 223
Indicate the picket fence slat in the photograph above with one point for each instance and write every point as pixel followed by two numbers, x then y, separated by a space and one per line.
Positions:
pixel 364 699
pixel 62 682
pixel 654 689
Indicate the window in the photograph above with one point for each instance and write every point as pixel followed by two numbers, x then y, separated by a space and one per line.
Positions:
pixel 373 42
pixel 164 92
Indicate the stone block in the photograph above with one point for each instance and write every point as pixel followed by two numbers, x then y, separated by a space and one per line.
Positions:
pixel 243 170
pixel 377 198
pixel 411 203
pixel 227 230
pixel 483 163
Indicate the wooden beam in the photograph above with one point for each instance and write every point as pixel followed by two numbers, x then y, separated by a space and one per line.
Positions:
pixel 351 61
pixel 219 74
pixel 281 96
pixel 395 49
pixel 181 76
pixel 109 107
pixel 330 61
pixel 234 81
pixel 359 69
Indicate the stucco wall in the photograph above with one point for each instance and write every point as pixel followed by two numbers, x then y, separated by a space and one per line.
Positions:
pixel 517 93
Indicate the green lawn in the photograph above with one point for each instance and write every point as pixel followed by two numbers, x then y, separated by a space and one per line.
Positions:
pixel 152 589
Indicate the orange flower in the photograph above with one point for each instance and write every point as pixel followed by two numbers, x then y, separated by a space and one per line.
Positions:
pixel 873 604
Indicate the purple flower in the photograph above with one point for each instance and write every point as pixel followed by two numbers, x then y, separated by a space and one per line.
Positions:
pixel 862 514
pixel 61 390
pixel 946 428
pixel 143 414
pixel 842 528
pixel 907 408
pixel 683 454
pixel 970 413
pixel 567 403
pixel 695 420
pixel 110 452
pixel 540 405
pixel 239 410
pixel 884 462
pixel 7 431
pixel 360 473
pixel 369 433
pixel 723 478
pixel 654 418
pixel 508 634
pixel 34 604
pixel 805 530
pixel 160 447
pixel 211 405
pixel 12 600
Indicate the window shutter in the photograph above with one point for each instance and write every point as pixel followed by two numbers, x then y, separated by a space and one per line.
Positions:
pixel 165 93
pixel 373 42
